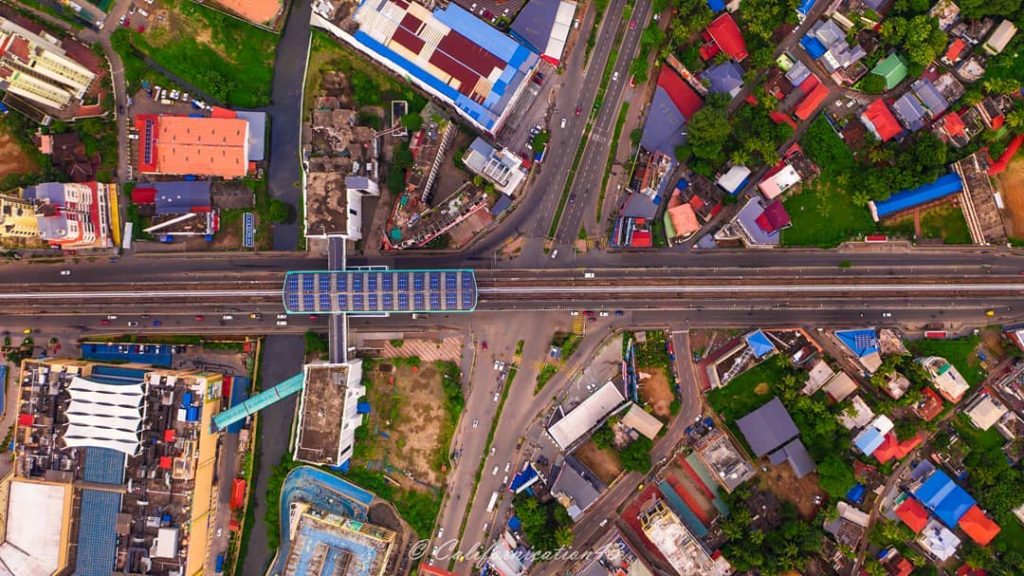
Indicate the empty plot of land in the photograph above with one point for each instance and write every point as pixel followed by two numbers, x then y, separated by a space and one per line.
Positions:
pixel 1012 183
pixel 656 392
pixel 603 463
pixel 781 481
pixel 406 421
pixel 13 160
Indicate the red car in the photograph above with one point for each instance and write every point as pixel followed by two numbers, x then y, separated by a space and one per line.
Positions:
pixel 104 322
pixel 314 318
pixel 632 24
pixel 200 318
pixel 578 110
pixel 483 344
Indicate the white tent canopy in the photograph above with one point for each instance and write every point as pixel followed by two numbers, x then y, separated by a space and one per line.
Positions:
pixel 104 415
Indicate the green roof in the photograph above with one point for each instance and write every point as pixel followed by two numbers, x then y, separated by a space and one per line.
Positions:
pixel 893 69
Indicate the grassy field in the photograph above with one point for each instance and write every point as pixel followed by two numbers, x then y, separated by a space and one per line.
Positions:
pixel 977 439
pixel 220 55
pixel 745 392
pixel 959 352
pixel 947 222
pixel 825 215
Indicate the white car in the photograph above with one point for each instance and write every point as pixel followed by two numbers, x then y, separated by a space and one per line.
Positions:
pixel 495 471
pixel 886 314
pixel 440 532
pixel 615 77
pixel 282 316
pixel 574 313
pixel 554 253
pixel 497 365
pixel 65 272
pixel 282 322
pixel 508 466
pixel 588 275
pixel 496 396
pixel 227 317
pixel 564 120
pixel 111 316
pixel 476 423
pixel 603 314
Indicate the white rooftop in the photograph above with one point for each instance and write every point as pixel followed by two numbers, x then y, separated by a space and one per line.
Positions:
pixel 582 418
pixel 35 519
pixel 104 415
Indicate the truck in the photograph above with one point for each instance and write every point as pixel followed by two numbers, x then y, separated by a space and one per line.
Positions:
pixel 220 563
pixel 492 501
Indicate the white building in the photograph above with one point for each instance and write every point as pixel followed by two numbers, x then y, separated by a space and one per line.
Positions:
pixel 573 425
pixel 329 413
pixel 946 379
pixel 984 411
pixel 36 68
pixel 668 534
pixel 503 168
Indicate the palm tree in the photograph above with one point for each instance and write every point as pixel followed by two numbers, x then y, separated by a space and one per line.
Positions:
pixel 861 198
pixel 1015 120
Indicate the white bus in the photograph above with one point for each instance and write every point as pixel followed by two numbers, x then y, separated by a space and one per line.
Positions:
pixel 493 501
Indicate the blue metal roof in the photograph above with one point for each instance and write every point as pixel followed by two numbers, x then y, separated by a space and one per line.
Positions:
pixel 665 127
pixel 725 77
pixel 678 505
pixel 534 23
pixel 379 291
pixel 861 341
pixel 768 427
pixel 153 354
pixel 716 5
pixel 868 440
pixel 813 46
pixel 760 343
pixel 805 6
pixel 907 199
pixel 944 498
pixel 97 541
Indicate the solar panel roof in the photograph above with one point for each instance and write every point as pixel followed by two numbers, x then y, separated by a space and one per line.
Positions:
pixel 377 291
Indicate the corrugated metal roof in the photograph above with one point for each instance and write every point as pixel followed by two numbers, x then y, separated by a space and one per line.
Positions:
pixel 907 199
pixel 768 427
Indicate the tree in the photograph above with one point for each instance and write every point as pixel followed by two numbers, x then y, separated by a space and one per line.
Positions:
pixel 1001 85
pixel 762 17
pixel 278 211
pixel 835 476
pixel 603 437
pixel 919 37
pixel 974 9
pixel 709 130
pixel 637 456
pixel 564 537
pixel 1015 120
pixel 412 122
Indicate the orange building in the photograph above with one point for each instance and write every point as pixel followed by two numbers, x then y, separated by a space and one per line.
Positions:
pixel 199 146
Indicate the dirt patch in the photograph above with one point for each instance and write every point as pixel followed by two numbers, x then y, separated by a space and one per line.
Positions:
pixel 384 515
pixel 656 392
pixel 603 463
pixel 469 228
pixel 783 483
pixel 167 25
pixel 229 195
pixel 406 420
pixel 762 389
pixel 513 246
pixel 1012 183
pixel 13 159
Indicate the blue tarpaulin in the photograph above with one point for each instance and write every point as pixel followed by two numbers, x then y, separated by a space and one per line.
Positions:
pixel 813 46
pixel 363 408
pixel 856 494
pixel 514 523
pixel 716 5
pixel 805 6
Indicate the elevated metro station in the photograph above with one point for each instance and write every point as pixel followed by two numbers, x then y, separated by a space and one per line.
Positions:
pixel 379 291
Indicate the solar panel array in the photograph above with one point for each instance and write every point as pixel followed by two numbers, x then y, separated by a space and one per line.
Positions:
pixel 97 536
pixel 147 142
pixel 380 291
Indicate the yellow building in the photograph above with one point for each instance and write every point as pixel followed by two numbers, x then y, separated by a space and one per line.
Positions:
pixel 17 218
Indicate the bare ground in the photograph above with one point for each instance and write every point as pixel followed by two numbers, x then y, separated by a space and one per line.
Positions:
pixel 781 481
pixel 603 463
pixel 13 160
pixel 408 412
pixel 656 392
pixel 1012 183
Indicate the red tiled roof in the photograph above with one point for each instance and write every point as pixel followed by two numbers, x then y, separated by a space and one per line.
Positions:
pixel 953 124
pixel 685 99
pixel 956 49
pixel 809 83
pixel 879 115
pixel 641 239
pixel 408 40
pixel 968 570
pixel 697 202
pixel 709 51
pixel 727 36
pixel 979 527
pixel 809 105
pixel 781 118
pixel 903 568
pixel 893 448
pixel 913 514
pixel 1006 156
pixel 930 406
pixel 19 48
pixel 434 570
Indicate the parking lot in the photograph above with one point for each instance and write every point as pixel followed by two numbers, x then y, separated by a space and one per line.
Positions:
pixel 491 10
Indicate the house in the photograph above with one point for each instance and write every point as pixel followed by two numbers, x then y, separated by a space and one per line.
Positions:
pixel 946 379
pixel 930 405
pixel 912 513
pixel 896 385
pixel 680 219
pixel 944 498
pixel 848 526
pixel 724 78
pixel 1000 37
pixel 199 146
pixel 955 52
pixel 978 526
pixel 985 410
pixel 726 37
pixel 544 26
pixel 673 104
pixel 946 12
pixel 797 455
pixel 503 168
pixel 880 121
pixel 840 387
pixel 702 194
pixel 950 128
pixel 937 541
pixel 893 69
pixel 756 225
pixel 930 97
pixel 642 421
pixel 574 489
pixel 911 113
pixel 893 448
pixel 863 344
pixel 810 104
pixel 873 435
pixel 857 415
pixel 817 376
pixel 733 180
pixel 759 344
